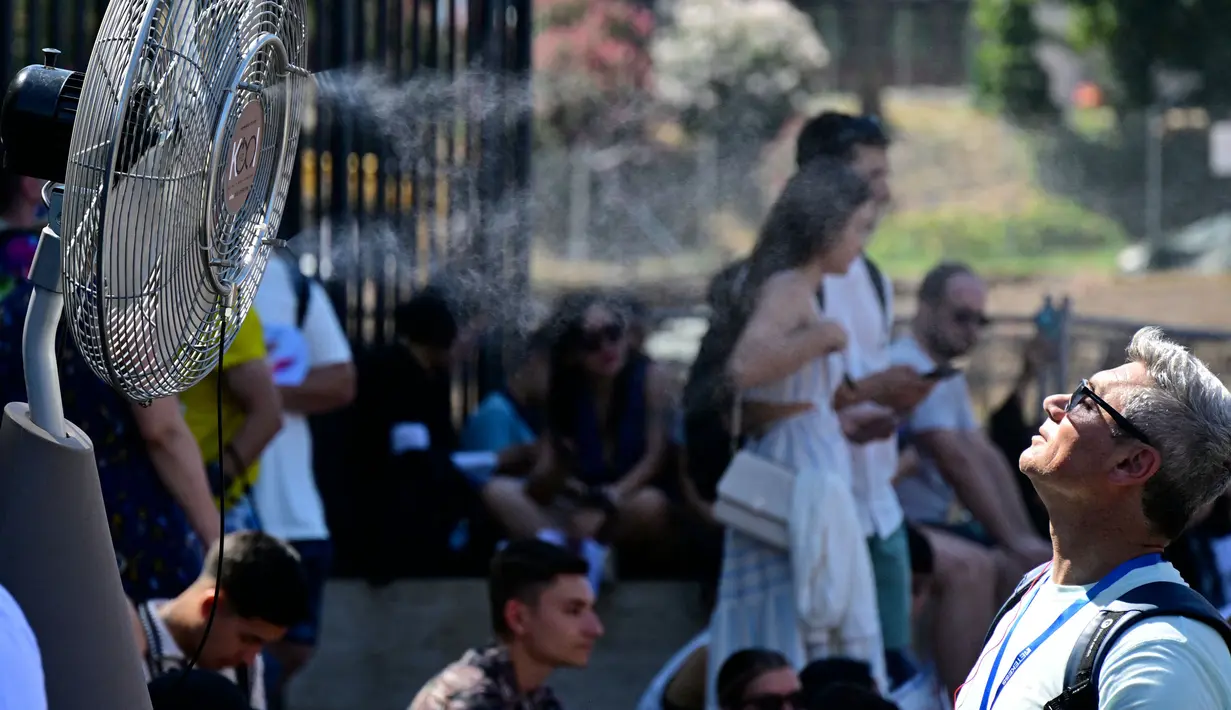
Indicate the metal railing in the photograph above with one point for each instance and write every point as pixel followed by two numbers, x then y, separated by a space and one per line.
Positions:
pixel 1083 346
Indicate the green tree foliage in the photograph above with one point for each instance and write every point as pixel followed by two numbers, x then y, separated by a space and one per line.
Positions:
pixel 1138 36
pixel 1007 75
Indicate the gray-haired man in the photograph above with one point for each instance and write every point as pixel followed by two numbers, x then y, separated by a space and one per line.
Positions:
pixel 1123 464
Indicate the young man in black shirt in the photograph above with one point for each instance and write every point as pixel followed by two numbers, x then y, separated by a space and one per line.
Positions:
pixel 410 495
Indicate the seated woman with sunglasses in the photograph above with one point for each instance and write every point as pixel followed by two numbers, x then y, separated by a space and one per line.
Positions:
pixel 816 598
pixel 758 679
pixel 603 445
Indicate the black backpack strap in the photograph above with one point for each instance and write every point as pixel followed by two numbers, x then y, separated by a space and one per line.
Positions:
pixel 1133 607
pixel 1023 586
pixel 878 283
pixel 303 291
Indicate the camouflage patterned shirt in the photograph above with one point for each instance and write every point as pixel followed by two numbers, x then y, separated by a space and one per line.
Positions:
pixel 483 679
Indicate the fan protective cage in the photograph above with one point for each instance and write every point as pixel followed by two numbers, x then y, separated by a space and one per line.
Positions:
pixel 179 167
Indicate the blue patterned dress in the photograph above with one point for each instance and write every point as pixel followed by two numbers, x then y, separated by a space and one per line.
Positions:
pixel 148 528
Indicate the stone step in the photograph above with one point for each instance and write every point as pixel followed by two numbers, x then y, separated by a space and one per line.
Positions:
pixel 378 646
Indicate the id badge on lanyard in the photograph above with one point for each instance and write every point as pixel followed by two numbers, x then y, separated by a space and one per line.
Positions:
pixel 989 700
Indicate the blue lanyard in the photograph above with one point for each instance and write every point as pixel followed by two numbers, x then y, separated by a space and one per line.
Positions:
pixel 1116 575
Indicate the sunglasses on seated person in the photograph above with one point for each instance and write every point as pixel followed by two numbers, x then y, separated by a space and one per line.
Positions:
pixel 593 339
pixel 969 317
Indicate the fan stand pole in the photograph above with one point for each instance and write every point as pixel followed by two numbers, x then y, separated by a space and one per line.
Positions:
pixel 56 557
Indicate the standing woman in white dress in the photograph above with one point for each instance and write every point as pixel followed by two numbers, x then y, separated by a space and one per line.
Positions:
pixel 816 599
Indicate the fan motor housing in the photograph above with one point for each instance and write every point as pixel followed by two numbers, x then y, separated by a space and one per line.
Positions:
pixel 36 119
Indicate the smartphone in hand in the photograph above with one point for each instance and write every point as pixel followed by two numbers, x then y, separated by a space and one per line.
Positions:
pixel 942 372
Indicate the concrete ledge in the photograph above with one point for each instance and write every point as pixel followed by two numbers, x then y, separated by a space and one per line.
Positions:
pixel 378 646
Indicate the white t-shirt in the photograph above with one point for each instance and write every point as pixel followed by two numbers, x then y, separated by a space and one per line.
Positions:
pixel 23 686
pixel 165 656
pixel 287 502
pixel 852 300
pixel 1160 663
pixel 926 496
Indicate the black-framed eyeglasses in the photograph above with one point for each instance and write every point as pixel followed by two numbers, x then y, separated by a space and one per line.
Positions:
pixel 595 339
pixel 1083 392
pixel 971 318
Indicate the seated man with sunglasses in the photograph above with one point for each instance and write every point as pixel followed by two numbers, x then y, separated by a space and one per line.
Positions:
pixel 1124 465
pixel 964 496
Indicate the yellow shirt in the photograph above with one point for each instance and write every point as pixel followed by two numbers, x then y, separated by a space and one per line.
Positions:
pixel 200 403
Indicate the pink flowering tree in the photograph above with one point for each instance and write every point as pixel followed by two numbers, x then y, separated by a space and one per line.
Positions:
pixel 592 69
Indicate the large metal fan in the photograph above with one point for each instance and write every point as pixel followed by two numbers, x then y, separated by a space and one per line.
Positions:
pixel 168 163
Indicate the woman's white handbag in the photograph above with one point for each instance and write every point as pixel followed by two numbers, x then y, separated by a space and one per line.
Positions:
pixel 754 493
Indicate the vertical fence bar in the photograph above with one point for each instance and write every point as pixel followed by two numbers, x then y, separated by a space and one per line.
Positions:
pixel 1066 344
pixel 8 12
pixel 439 248
pixel 54 36
pixel 100 9
pixel 81 35
pixel 386 262
pixel 1048 375
pixel 421 249
pixel 401 175
pixel 316 198
pixel 35 32
pixel 523 145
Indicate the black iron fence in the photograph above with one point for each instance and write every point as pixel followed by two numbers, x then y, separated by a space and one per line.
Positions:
pixel 375 218
pixel 439 202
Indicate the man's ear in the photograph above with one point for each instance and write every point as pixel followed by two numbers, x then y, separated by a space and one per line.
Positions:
pixel 207 603
pixel 516 616
pixel 1136 466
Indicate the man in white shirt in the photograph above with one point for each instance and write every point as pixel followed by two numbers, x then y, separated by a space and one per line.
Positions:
pixel 1123 465
pixel 262 592
pixel 964 496
pixel 312 366
pixel 862 300
pixel 22 687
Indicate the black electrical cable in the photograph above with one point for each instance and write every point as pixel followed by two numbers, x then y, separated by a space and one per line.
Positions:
pixel 222 500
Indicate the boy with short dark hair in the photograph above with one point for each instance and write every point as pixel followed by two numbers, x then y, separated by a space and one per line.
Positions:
pixel 543 617
pixel 255 594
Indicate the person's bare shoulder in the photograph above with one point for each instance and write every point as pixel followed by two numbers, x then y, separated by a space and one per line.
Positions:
pixel 458 687
pixel 787 295
pixel 788 281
